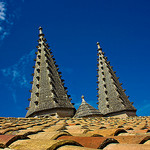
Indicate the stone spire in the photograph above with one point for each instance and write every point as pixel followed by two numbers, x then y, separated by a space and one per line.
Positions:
pixel 112 100
pixel 86 110
pixel 48 94
pixel 83 100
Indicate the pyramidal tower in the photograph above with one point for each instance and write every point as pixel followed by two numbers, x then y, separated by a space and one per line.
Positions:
pixel 112 100
pixel 86 110
pixel 48 95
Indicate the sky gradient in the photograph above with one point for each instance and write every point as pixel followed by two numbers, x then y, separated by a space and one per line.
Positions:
pixel 72 29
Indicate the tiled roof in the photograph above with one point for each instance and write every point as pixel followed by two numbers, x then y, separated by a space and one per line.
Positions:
pixel 75 133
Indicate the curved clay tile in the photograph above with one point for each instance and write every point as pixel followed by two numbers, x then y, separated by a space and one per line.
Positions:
pixel 147 142
pixel 119 131
pixel 90 142
pixel 128 128
pixel 68 147
pixel 64 133
pixel 29 131
pixel 55 128
pixel 132 139
pixel 127 147
pixel 43 135
pixel 49 135
pixel 96 135
pixel 6 140
pixel 10 129
pixel 102 127
pixel 108 132
pixel 41 144
pixel 141 131
pixel 76 130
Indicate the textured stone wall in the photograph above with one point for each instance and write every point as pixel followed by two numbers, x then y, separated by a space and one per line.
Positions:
pixel 59 112
pixel 111 95
pixel 48 91
pixel 122 114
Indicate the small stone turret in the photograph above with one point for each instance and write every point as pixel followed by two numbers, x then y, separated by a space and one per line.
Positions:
pixel 86 110
pixel 48 94
pixel 112 100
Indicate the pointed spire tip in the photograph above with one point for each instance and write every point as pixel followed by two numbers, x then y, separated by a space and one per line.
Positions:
pixel 83 100
pixel 40 30
pixel 98 45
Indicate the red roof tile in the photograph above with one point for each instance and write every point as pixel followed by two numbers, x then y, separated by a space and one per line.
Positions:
pixel 131 139
pixel 91 142
pixel 127 147
pixel 6 140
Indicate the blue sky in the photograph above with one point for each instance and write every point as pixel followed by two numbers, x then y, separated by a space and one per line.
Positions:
pixel 72 29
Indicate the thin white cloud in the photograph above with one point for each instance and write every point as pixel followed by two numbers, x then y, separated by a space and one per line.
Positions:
pixel 2 11
pixel 17 75
pixel 9 12
pixel 3 30
pixel 17 72
pixel 4 35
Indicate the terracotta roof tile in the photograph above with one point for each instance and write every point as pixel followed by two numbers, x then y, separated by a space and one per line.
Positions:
pixel 77 131
pixel 90 142
pixel 6 140
pixel 55 128
pixel 142 131
pixel 108 132
pixel 28 131
pixel 48 135
pixel 129 131
pixel 131 139
pixel 147 142
pixel 41 144
pixel 68 147
pixel 4 131
pixel 127 147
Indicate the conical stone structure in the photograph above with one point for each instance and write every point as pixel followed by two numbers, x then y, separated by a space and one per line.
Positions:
pixel 112 100
pixel 86 110
pixel 48 94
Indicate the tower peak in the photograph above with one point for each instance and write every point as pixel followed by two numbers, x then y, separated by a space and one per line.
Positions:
pixel 98 45
pixel 40 30
pixel 83 100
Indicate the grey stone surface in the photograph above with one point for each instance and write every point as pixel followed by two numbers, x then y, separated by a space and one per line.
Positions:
pixel 48 91
pixel 111 95
pixel 86 110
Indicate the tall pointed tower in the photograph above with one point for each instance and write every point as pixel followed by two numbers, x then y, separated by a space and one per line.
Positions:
pixel 48 94
pixel 112 100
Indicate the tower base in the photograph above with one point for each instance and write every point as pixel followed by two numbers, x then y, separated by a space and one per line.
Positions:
pixel 121 114
pixel 58 112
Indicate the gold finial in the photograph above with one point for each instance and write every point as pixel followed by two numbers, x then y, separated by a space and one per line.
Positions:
pixel 83 100
pixel 40 30
pixel 98 45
